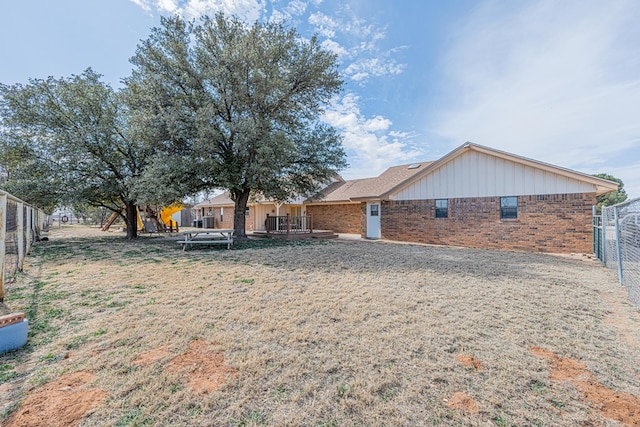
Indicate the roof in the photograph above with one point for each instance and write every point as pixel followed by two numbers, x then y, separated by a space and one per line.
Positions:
pixel 397 178
pixel 603 186
pixel 224 200
pixel 368 188
pixel 219 200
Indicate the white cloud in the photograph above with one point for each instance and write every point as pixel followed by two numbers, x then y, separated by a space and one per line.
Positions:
pixel 248 10
pixel 334 47
pixel 370 142
pixel 362 70
pixel 293 10
pixel 362 54
pixel 169 6
pixel 555 81
pixel 323 24
pixel 144 4
pixel 296 7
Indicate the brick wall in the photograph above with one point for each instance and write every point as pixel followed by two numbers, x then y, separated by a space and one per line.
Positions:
pixel 343 218
pixel 227 222
pixel 559 223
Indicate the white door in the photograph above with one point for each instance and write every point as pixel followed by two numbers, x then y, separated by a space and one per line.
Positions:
pixel 373 220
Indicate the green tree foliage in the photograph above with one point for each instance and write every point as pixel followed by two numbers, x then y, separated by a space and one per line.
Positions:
pixel 614 197
pixel 25 174
pixel 70 141
pixel 237 107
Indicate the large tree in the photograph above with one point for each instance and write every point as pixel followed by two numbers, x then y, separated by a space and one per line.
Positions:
pixel 26 174
pixel 236 107
pixel 71 141
pixel 612 198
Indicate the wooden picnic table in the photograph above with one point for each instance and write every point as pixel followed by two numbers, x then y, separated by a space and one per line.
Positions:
pixel 207 237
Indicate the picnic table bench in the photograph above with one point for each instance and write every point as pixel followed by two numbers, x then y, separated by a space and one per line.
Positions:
pixel 207 237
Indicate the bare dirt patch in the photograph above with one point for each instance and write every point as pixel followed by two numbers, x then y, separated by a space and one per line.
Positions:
pixel 151 356
pixel 463 402
pixel 205 367
pixel 618 406
pixel 470 362
pixel 61 403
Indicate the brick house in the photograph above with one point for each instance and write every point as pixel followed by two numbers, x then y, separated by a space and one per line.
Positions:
pixel 338 207
pixel 475 196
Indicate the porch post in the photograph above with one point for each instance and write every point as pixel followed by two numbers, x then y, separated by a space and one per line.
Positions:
pixel 288 225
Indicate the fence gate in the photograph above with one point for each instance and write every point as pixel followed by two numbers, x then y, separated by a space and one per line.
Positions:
pixel 597 235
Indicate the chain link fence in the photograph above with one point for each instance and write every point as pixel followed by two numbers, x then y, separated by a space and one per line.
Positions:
pixel 20 226
pixel 620 244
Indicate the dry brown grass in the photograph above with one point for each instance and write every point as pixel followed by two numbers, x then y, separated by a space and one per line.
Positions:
pixel 320 334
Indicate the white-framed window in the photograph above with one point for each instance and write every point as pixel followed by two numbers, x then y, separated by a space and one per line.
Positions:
pixel 221 215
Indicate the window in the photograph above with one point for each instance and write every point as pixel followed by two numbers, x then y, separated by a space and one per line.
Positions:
pixel 508 208
pixel 442 208
pixel 374 210
pixel 221 215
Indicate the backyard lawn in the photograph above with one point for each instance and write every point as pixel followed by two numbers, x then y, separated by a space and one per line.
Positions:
pixel 316 333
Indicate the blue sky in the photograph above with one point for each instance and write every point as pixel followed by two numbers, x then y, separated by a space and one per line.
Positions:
pixel 555 81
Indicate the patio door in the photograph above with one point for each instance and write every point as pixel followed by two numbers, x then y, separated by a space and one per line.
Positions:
pixel 373 220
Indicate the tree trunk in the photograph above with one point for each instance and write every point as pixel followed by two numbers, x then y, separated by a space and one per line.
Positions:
pixel 131 220
pixel 241 199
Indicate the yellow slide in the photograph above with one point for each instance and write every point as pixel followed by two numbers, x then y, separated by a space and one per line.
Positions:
pixel 165 213
pixel 140 223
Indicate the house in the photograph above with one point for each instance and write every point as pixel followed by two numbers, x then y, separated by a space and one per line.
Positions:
pixel 475 196
pixel 339 207
pixel 217 212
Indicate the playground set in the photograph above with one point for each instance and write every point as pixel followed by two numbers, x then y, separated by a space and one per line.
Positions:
pixel 150 220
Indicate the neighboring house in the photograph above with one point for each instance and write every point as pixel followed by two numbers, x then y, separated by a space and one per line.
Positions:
pixel 475 196
pixel 217 212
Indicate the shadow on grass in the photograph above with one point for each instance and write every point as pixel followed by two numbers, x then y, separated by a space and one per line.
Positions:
pixel 381 257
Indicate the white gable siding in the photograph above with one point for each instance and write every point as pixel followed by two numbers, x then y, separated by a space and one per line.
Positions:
pixel 475 174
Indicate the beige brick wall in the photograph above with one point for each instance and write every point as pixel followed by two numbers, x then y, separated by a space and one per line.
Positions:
pixel 227 222
pixel 342 218
pixel 559 223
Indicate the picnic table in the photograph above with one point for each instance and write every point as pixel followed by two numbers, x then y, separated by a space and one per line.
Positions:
pixel 207 237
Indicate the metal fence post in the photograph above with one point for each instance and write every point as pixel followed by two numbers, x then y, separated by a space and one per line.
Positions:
pixel 593 229
pixel 3 236
pixel 603 214
pixel 615 216
pixel 29 229
pixel 20 230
